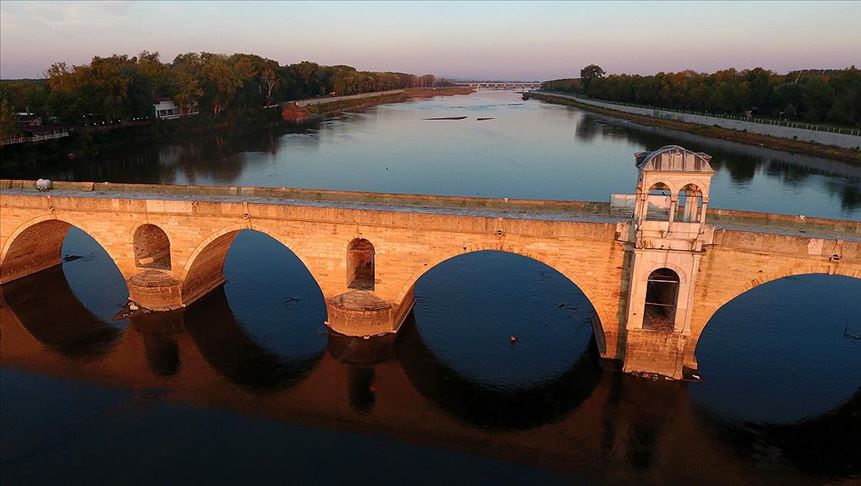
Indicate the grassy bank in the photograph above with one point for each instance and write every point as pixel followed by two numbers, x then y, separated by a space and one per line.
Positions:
pixel 787 145
pixel 410 94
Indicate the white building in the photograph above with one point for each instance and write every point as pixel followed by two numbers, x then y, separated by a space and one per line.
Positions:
pixel 166 109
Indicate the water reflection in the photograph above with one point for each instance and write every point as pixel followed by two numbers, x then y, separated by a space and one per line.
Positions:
pixel 449 389
pixel 226 346
pixel 824 446
pixel 490 407
pixel 65 325
pixel 160 332
pixel 528 150
pixel 604 425
pixel 740 162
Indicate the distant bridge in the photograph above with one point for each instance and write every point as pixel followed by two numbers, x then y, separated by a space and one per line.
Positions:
pixel 653 265
pixel 501 84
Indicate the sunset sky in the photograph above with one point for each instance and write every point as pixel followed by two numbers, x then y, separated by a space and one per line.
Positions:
pixel 479 40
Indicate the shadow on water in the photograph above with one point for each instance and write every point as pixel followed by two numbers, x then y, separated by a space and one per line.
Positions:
pixel 826 446
pixel 226 345
pixel 61 323
pixel 160 331
pixel 487 406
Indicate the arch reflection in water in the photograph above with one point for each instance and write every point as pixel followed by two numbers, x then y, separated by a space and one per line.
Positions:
pixel 160 331
pixel 825 446
pixel 490 407
pixel 69 307
pixel 360 356
pixel 227 346
pixel 458 350
pixel 778 353
pixel 780 372
pixel 53 315
pixel 263 329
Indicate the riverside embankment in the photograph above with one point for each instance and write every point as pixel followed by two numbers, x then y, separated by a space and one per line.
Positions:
pixel 813 142
pixel 307 108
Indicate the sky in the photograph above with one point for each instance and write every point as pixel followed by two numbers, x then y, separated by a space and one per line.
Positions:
pixel 482 40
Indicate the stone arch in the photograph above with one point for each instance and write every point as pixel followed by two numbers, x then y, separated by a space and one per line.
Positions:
pixel 603 315
pixel 661 300
pixel 703 319
pixel 37 245
pixel 690 204
pixel 683 276
pixel 204 269
pixel 653 211
pixel 360 264
pixel 152 247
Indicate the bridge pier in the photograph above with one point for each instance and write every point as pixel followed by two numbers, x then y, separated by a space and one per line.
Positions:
pixel 155 290
pixel 361 313
pixel 655 352
pixel 666 241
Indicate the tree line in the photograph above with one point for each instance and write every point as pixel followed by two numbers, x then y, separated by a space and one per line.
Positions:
pixel 816 96
pixel 123 88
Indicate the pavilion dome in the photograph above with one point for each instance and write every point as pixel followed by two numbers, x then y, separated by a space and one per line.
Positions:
pixel 673 158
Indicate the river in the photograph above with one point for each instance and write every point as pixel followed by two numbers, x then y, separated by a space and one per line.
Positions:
pixel 247 383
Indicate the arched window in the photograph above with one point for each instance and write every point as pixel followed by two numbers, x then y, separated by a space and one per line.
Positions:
pixel 152 248
pixel 360 265
pixel 658 203
pixel 690 205
pixel 662 291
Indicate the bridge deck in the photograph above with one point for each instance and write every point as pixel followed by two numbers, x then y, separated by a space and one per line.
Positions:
pixel 529 209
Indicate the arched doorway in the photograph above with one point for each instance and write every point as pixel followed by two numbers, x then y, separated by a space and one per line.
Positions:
pixel 152 248
pixel 662 293
pixel 360 265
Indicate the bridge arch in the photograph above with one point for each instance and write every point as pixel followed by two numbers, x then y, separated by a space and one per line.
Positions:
pixel 705 313
pixel 38 243
pixel 204 269
pixel 603 315
pixel 784 340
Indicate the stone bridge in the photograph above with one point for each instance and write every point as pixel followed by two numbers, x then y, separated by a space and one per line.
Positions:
pixel 654 285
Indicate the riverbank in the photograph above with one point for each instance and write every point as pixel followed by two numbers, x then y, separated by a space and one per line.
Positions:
pixel 401 96
pixel 88 142
pixel 795 146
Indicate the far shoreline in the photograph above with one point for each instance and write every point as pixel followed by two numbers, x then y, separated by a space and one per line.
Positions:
pixel 786 145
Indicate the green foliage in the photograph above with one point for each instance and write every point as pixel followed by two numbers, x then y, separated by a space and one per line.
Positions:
pixel 8 125
pixel 123 88
pixel 817 96
pixel 589 73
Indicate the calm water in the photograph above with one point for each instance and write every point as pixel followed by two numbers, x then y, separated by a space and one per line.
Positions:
pixel 528 150
pixel 248 384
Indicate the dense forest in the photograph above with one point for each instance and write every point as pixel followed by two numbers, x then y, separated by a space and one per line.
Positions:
pixel 817 96
pixel 121 88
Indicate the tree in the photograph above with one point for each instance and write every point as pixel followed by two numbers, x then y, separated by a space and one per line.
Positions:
pixel 589 73
pixel 8 122
pixel 220 81
pixel 186 73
